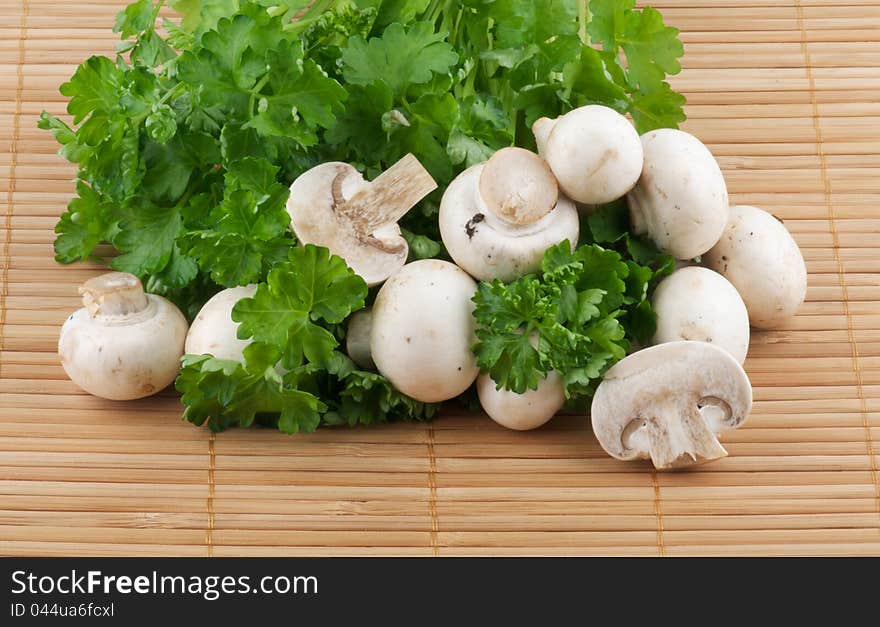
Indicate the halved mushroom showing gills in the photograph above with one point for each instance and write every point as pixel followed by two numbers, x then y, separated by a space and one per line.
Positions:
pixel 332 205
pixel 669 402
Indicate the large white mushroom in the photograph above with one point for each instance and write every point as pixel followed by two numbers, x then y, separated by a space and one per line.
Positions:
pixel 594 152
pixel 214 332
pixel 497 218
pixel 423 330
pixel 695 303
pixel 668 403
pixel 680 201
pixel 760 257
pixel 525 411
pixel 123 344
pixel 332 205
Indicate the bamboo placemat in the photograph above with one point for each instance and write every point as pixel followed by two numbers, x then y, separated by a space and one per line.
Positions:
pixel 785 92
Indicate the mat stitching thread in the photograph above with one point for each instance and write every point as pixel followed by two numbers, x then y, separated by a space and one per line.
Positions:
pixel 835 243
pixel 658 512
pixel 13 166
pixel 432 486
pixel 209 532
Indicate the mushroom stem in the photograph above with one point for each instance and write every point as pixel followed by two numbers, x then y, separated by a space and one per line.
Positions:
pixel 113 294
pixel 541 130
pixel 391 194
pixel 517 187
pixel 677 438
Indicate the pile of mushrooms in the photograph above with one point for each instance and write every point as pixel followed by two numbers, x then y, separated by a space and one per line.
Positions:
pixel 738 268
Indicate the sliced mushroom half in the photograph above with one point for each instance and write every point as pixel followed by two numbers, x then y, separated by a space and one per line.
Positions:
pixel 669 402
pixel 332 205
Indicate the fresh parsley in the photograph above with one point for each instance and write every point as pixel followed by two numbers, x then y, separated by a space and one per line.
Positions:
pixel 578 316
pixel 187 140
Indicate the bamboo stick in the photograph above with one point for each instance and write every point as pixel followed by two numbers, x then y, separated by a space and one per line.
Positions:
pixel 30 548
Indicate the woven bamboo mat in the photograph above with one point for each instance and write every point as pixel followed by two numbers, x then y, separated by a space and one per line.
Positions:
pixel 787 95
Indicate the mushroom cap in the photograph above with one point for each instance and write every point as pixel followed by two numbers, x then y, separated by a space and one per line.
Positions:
pixel 525 411
pixel 594 152
pixel 423 330
pixel 374 251
pixel 668 402
pixel 489 248
pixel 695 303
pixel 214 332
pixel 124 357
pixel 758 255
pixel 357 339
pixel 680 200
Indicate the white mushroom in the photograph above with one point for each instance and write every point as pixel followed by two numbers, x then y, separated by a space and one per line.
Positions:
pixel 669 402
pixel 525 411
pixel 696 303
pixel 680 201
pixel 497 218
pixel 594 152
pixel 760 257
pixel 332 205
pixel 357 339
pixel 423 330
pixel 123 344
pixel 214 332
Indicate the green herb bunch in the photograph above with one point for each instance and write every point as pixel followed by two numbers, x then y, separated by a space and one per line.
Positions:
pixel 187 141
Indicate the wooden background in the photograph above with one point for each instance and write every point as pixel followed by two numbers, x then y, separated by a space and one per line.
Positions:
pixel 785 92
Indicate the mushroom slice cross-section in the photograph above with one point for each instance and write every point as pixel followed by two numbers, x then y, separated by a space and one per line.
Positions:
pixel 332 205
pixel 669 402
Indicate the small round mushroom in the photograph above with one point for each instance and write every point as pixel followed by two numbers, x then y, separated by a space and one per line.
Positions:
pixel 214 332
pixel 525 411
pixel 357 339
pixel 669 402
pixel 680 201
pixel 695 303
pixel 594 152
pixel 760 257
pixel 497 218
pixel 423 330
pixel 332 205
pixel 123 344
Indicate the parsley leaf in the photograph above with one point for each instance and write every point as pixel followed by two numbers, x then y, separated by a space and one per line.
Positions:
pixel 310 288
pixel 226 393
pixel 87 222
pixel 400 58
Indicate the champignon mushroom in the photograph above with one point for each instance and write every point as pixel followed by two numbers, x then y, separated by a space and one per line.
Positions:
pixel 497 218
pixel 680 201
pixel 669 402
pixel 332 205
pixel 123 344
pixel 594 152
pixel 696 303
pixel 214 332
pixel 423 330
pixel 525 411
pixel 357 339
pixel 760 257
